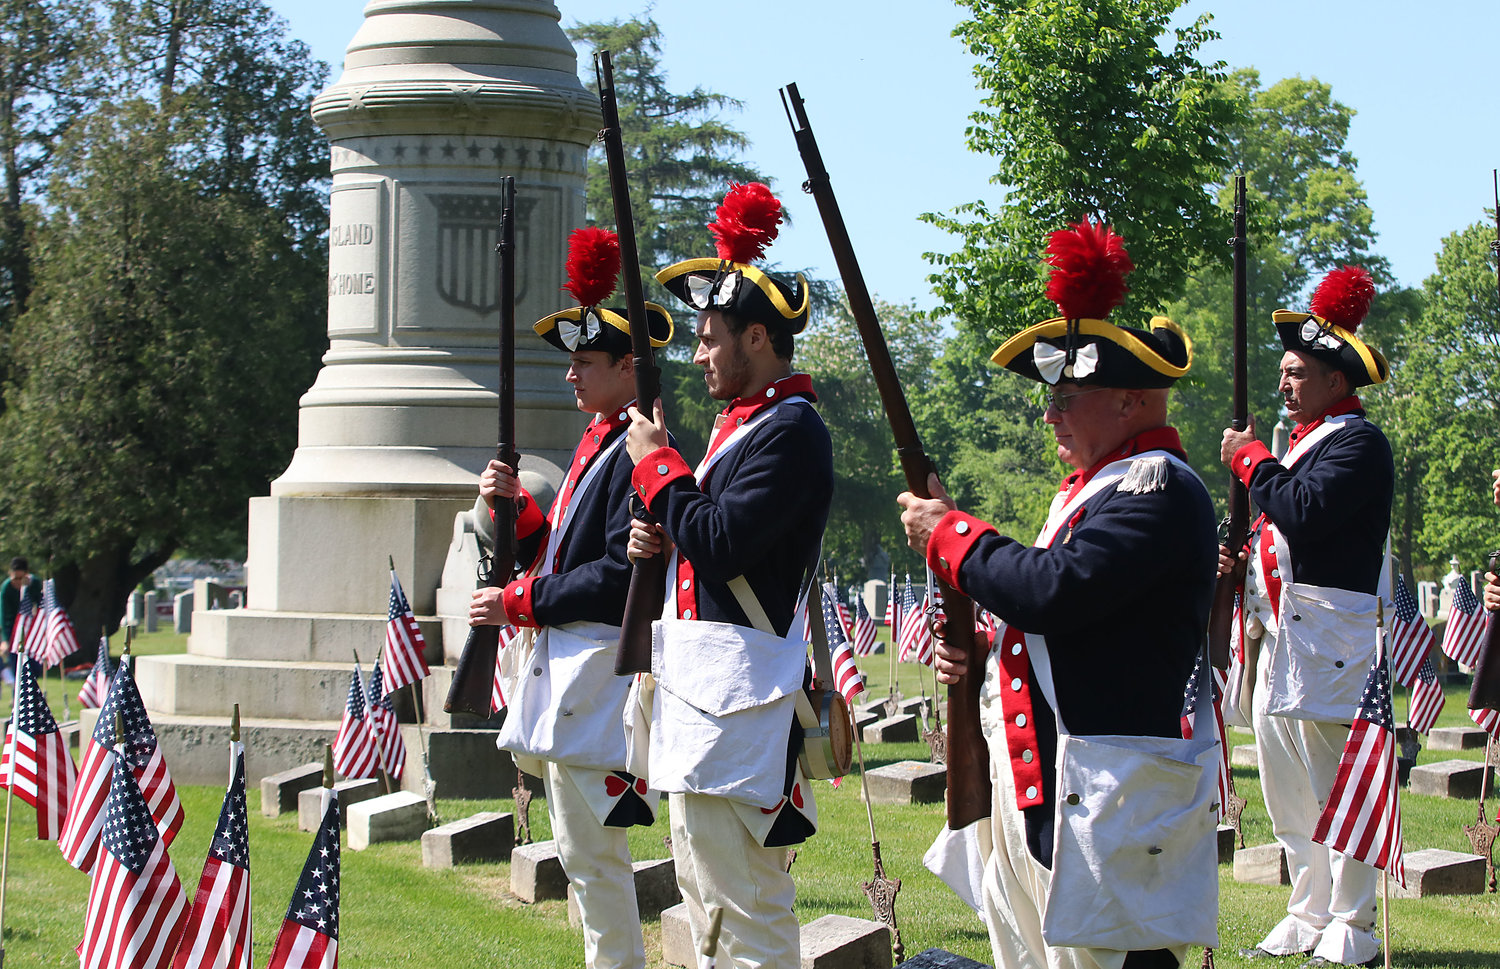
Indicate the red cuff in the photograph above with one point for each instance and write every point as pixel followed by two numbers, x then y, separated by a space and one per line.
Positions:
pixel 657 470
pixel 1247 459
pixel 529 515
pixel 950 543
pixel 518 605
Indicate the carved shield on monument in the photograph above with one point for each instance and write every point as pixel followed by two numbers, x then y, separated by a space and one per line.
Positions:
pixel 467 263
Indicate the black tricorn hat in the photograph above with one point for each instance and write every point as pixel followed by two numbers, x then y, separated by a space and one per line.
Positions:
pixel 1339 305
pixel 1089 265
pixel 593 267
pixel 746 224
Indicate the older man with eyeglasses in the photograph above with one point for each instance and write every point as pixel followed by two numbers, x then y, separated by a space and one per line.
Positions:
pixel 1102 617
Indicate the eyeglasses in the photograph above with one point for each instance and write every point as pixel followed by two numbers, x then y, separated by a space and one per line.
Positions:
pixel 1059 402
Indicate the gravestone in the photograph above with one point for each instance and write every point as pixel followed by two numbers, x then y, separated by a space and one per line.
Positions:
pixel 1262 865
pixel 1433 871
pixel 487 836
pixel 182 613
pixel 841 942
pixel 1460 779
pixel 1456 738
pixel 536 873
pixel 892 730
pixel 400 816
pixel 278 792
pixel 351 792
pixel 908 782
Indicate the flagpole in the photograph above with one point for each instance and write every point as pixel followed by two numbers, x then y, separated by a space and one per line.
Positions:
pixel 10 793
pixel 385 775
pixel 1385 873
pixel 894 608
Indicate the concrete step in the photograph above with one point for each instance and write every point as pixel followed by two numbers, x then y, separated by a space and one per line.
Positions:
pixel 196 748
pixel 298 637
pixel 188 685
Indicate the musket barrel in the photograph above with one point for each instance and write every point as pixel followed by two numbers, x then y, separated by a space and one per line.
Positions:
pixel 967 753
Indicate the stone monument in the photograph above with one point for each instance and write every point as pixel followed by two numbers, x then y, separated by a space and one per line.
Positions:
pixel 436 101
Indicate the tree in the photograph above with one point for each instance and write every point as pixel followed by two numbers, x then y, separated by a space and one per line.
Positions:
pixel 42 50
pixel 177 309
pixel 1307 215
pixel 1440 410
pixel 681 157
pixel 1089 112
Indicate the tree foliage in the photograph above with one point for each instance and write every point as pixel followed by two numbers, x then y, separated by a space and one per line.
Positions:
pixel 1090 109
pixel 176 314
pixel 680 155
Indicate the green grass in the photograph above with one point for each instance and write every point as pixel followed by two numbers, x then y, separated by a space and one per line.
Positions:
pixel 397 913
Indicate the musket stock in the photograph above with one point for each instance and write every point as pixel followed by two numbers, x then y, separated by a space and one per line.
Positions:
pixel 473 680
pixel 1237 525
pixel 967 755
pixel 648 577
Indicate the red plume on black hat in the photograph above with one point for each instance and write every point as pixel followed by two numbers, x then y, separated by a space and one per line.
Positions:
pixel 746 222
pixel 593 265
pixel 1089 265
pixel 1343 297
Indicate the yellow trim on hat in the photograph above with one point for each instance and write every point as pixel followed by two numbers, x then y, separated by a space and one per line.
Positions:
pixel 1367 354
pixel 573 314
pixel 762 281
pixel 1058 326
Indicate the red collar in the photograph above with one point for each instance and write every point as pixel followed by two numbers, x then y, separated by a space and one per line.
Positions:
pixel 1164 438
pixel 1348 405
pixel 741 409
pixel 611 420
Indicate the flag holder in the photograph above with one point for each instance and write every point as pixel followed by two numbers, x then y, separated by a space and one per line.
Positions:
pixel 879 889
pixel 385 776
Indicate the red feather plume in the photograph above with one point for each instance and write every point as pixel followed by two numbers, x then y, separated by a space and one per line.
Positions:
pixel 1343 297
pixel 593 265
pixel 1089 264
pixel 746 222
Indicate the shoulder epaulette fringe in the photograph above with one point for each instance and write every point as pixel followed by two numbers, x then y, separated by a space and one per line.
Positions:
pixel 1146 474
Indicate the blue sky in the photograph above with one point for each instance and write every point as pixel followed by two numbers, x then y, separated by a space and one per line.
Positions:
pixel 889 92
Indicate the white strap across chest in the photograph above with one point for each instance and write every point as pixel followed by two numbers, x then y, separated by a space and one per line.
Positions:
pixel 560 529
pixel 738 436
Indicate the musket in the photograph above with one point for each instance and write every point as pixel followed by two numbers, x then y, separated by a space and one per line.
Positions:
pixel 1484 692
pixel 473 681
pixel 648 577
pixel 967 755
pixel 1235 527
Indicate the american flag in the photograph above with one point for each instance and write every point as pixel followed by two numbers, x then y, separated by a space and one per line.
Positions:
pixel 1488 720
pixel 916 635
pixel 1410 637
pixel 23 631
pixel 309 936
pixel 846 621
pixel 864 629
pixel 1363 815
pixel 217 935
pixel 1427 699
pixel 354 747
pixel 1467 624
pixel 404 645
pixel 497 694
pixel 1190 719
pixel 36 763
pixel 80 837
pixel 384 727
pixel 892 608
pixel 96 687
pixel 56 640
pixel 846 675
pixel 136 906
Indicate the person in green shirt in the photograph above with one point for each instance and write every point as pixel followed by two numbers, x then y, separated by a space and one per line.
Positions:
pixel 20 581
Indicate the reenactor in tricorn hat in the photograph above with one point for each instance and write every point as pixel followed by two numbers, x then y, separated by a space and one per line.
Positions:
pixel 742 532
pixel 565 723
pixel 1315 561
pixel 1102 616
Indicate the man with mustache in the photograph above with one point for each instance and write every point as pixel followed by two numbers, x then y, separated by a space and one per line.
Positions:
pixel 1315 563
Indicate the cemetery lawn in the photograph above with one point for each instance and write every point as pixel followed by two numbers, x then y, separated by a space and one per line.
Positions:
pixel 397 913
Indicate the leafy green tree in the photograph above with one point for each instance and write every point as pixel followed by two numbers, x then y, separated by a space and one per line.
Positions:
pixel 1307 214
pixel 680 155
pixel 43 47
pixel 1440 410
pixel 177 310
pixel 1092 109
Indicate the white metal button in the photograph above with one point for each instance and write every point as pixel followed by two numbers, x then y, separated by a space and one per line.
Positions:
pixel 1015 684
pixel 1020 719
pixel 962 528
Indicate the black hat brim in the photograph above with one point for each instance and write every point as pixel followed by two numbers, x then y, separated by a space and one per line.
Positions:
pixel 1127 357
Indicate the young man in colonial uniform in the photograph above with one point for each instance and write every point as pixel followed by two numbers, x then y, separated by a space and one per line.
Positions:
pixel 1103 616
pixel 742 533
pixel 1315 560
pixel 564 719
